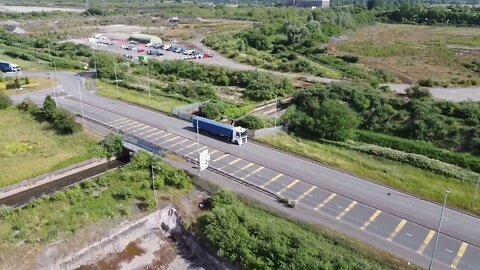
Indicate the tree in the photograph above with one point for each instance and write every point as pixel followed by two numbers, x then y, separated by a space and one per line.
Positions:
pixel 335 121
pixel 371 4
pixel 49 107
pixel 113 144
pixel 212 110
pixel 242 46
pixel 417 92
pixel 5 101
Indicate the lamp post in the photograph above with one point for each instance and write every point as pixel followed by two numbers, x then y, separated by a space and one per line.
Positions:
pixel 152 166
pixel 116 78
pixel 95 63
pixel 81 101
pixel 439 228
pixel 475 194
pixel 51 75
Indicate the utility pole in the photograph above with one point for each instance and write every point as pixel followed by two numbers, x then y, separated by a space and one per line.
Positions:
pixel 51 76
pixel 116 78
pixel 439 228
pixel 153 178
pixel 475 194
pixel 95 63
pixel 148 84
pixel 81 101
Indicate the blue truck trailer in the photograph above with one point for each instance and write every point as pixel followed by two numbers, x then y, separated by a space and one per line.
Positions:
pixel 234 134
pixel 9 67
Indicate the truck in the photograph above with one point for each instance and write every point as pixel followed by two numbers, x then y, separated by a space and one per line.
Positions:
pixel 234 134
pixel 9 67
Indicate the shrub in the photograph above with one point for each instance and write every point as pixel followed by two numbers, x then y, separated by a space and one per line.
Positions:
pixel 255 121
pixel 417 92
pixel 212 110
pixel 426 82
pixel 349 58
pixel 49 107
pixel 5 101
pixel 113 144
pixel 64 121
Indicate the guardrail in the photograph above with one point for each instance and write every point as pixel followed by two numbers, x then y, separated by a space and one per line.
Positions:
pixel 161 150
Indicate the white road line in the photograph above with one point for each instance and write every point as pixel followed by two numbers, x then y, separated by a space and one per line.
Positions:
pixel 177 143
pixel 126 124
pixel 150 130
pixel 153 134
pixel 133 127
pixel 119 120
pixel 222 157
pixel 201 148
pixel 252 173
pixel 163 136
pixel 186 147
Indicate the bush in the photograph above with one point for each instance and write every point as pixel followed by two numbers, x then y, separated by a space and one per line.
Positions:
pixel 426 82
pixel 113 144
pixel 5 101
pixel 64 121
pixel 417 92
pixel 255 121
pixel 212 110
pixel 49 107
pixel 350 58
pixel 422 148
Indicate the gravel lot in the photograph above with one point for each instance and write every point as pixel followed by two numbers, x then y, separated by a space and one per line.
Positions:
pixel 25 9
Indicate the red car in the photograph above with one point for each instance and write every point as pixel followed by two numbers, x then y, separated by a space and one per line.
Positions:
pixel 141 50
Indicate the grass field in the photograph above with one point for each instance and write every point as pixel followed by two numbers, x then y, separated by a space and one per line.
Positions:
pixel 394 174
pixel 413 52
pixel 163 104
pixel 29 148
pixel 36 84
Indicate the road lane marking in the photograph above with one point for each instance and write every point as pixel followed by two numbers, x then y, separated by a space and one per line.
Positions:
pixel 142 128
pixel 254 172
pixel 163 136
pixel 293 183
pixel 146 131
pixel 427 240
pixel 126 124
pixel 459 256
pixel 235 161
pixel 407 234
pixel 213 152
pixel 200 149
pixel 171 139
pixel 177 143
pixel 397 230
pixel 222 157
pixel 325 201
pixel 275 178
pixel 349 207
pixel 243 168
pixel 371 219
pixel 448 250
pixel 134 126
pixel 186 147
pixel 119 120
pixel 305 194
pixel 156 133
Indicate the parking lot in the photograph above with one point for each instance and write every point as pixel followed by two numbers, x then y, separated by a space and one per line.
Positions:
pixel 123 47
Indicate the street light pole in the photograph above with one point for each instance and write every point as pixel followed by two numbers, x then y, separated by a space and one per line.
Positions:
pixel 153 184
pixel 116 79
pixel 51 76
pixel 95 63
pixel 148 84
pixel 81 101
pixel 475 194
pixel 439 228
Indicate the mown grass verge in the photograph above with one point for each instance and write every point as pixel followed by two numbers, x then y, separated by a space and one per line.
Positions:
pixel 257 238
pixel 160 103
pixel 29 148
pixel 395 174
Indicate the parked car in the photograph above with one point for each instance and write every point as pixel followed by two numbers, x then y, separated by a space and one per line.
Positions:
pixel 128 56
pixel 157 46
pixel 132 48
pixel 188 52
pixel 178 50
pixel 133 42
pixel 166 47
pixel 154 53
pixel 141 50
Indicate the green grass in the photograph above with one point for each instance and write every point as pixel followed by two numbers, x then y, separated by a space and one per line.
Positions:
pixel 160 103
pixel 29 148
pixel 26 65
pixel 378 49
pixel 92 205
pixel 391 173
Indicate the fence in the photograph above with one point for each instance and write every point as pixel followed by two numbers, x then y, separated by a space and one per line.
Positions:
pixel 185 112
pixel 264 131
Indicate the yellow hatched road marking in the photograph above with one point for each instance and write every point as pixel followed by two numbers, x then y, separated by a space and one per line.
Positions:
pixel 142 129
pixel 222 157
pixel 132 122
pixel 254 172
pixel 371 219
pixel 325 201
pixel 397 230
pixel 247 166
pixel 293 183
pixel 147 131
pixel 459 256
pixel 213 152
pixel 272 180
pixel 427 240
pixel 119 120
pixel 349 207
pixel 305 193
pixel 163 136
pixel 235 161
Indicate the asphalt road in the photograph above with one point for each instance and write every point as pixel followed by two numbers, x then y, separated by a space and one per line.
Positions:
pixel 399 219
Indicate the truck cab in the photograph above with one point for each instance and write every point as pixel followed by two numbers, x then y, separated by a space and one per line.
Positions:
pixel 9 67
pixel 239 135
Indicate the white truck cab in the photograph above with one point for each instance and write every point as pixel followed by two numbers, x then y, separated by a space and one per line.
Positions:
pixel 239 135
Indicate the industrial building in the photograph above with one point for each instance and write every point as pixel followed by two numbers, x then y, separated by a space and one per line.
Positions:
pixel 308 3
pixel 145 39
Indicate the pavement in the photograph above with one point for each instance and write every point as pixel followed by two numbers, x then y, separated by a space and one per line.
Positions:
pixel 388 219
